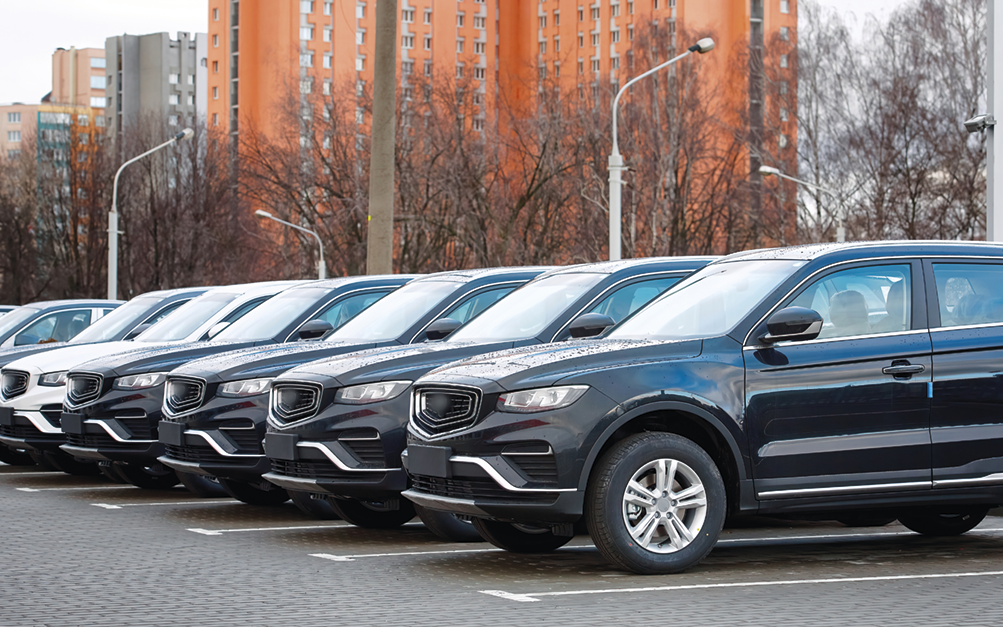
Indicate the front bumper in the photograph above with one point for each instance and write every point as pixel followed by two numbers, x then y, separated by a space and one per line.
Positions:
pixel 213 449
pixel 120 426
pixel 31 430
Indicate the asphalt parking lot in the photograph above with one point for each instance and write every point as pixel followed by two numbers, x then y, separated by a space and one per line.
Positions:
pixel 82 551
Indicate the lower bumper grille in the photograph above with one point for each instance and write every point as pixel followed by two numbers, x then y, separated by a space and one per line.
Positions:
pixel 475 489
pixel 29 431
pixel 204 455
pixel 320 469
pixel 98 440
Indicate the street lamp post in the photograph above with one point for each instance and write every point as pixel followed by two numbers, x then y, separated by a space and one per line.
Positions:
pixel 766 170
pixel 321 266
pixel 113 214
pixel 616 160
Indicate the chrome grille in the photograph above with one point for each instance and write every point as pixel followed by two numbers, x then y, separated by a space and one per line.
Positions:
pixel 438 411
pixel 15 383
pixel 183 394
pixel 292 402
pixel 82 388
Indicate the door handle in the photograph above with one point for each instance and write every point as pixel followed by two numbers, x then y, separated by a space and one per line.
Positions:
pixel 903 370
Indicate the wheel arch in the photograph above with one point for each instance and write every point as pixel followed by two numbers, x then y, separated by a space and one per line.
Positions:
pixel 686 420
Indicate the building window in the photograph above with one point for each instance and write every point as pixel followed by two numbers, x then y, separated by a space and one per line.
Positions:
pixel 479 22
pixel 543 47
pixel 306 86
pixel 191 79
pixel 327 35
pixel 459 20
pixel 215 67
pixel 326 90
pixel 478 124
pixel 581 66
pixel 595 39
pixel 407 68
pixel 615 35
pixel 99 121
pixel 557 18
pixel 428 68
pixel 614 10
pixel 13 136
pixel 306 59
pixel 783 88
pixel 407 16
pixel 428 43
pixel 97 62
pixel 615 63
pixel 785 6
pixel 327 8
pixel 630 7
pixel 595 13
pixel 479 47
pixel 306 6
pixel 173 79
pixel 173 99
pixel 581 40
pixel 785 33
pixel 595 65
pixel 14 118
pixel 215 41
pixel 191 99
pixel 557 69
pixel 459 71
pixel 459 46
pixel 360 64
pixel 360 12
pixel 360 37
pixel 783 141
pixel 215 15
pixel 543 21
pixel 581 14
pixel 428 16
pixel 327 61
pixel 172 120
pixel 630 33
pixel 215 119
pixel 215 93
pixel 783 60
pixel 478 99
pixel 479 73
pixel 783 114
pixel 97 102
pixel 306 33
pixel 543 72
pixel 557 44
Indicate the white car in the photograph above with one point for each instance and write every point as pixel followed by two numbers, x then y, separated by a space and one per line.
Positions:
pixel 32 388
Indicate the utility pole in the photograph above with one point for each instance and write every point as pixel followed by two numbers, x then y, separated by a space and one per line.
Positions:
pixel 994 162
pixel 380 237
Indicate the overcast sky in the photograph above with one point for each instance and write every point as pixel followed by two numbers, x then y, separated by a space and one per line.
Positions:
pixel 35 28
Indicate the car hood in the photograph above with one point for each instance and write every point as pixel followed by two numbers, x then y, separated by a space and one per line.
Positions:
pixel 69 357
pixel 401 363
pixel 269 361
pixel 155 359
pixel 13 353
pixel 536 366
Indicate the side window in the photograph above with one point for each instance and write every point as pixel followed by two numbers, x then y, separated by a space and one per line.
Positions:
pixel 340 312
pixel 968 293
pixel 630 298
pixel 861 301
pixel 56 327
pixel 239 312
pixel 105 312
pixel 469 309
pixel 163 313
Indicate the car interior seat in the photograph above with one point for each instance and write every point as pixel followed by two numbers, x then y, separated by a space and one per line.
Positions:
pixel 848 313
pixel 895 305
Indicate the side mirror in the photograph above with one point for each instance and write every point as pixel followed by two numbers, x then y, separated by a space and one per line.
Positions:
pixel 315 329
pixel 136 331
pixel 590 325
pixel 793 324
pixel 216 328
pixel 441 328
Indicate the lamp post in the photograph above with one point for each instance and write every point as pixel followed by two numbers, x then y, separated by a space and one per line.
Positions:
pixel 113 214
pixel 321 266
pixel 766 170
pixel 616 161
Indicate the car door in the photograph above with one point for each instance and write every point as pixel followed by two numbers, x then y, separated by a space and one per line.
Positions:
pixel 847 412
pixel 967 406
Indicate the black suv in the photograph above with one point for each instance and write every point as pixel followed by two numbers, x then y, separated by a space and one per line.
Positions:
pixel 815 380
pixel 215 408
pixel 348 452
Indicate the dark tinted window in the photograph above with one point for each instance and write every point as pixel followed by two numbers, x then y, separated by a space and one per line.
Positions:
pixel 969 293
pixel 56 327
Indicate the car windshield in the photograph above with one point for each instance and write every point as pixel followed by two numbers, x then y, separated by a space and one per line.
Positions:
pixel 119 320
pixel 188 318
pixel 273 315
pixel 528 310
pixel 16 318
pixel 394 313
pixel 709 303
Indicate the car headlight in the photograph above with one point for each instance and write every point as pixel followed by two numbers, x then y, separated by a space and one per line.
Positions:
pixel 53 379
pixel 140 381
pixel 248 387
pixel 371 392
pixel 542 399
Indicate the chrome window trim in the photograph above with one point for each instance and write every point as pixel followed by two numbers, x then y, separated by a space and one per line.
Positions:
pixel 478 393
pixel 745 342
pixel 961 327
pixel 331 455
pixel 337 298
pixel 638 277
pixel 115 436
pixel 500 480
pixel 874 487
pixel 166 409
pixel 836 339
pixel 996 477
pixel 214 444
pixel 470 294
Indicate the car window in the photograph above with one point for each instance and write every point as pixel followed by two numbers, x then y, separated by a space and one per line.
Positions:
pixel 470 308
pixel 342 311
pixel 968 293
pixel 861 301
pixel 55 327
pixel 630 298
pixel 239 312
pixel 163 313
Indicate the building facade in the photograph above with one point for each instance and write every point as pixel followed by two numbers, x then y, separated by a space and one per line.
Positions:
pixel 154 77
pixel 78 77
pixel 17 126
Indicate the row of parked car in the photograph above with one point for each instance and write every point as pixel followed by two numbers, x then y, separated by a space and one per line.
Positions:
pixel 642 402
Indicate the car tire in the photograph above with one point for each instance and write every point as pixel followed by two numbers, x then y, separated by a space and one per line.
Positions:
pixel 266 495
pixel 674 523
pixel 152 477
pixel 519 538
pixel 318 508
pixel 448 526
pixel 865 520
pixel 941 524
pixel 15 457
pixel 200 485
pixel 373 515
pixel 71 465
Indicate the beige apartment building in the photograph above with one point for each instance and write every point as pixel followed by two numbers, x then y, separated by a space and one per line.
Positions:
pixel 17 125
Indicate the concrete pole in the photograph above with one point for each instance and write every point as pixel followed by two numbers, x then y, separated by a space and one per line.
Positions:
pixel 380 238
pixel 994 89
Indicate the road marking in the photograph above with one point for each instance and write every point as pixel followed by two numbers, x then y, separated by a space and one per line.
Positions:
pixel 341 525
pixel 97 487
pixel 36 473
pixel 532 596
pixel 352 558
pixel 121 505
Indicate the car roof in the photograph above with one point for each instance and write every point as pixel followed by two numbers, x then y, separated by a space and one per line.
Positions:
pixel 808 252
pixel 69 303
pixel 612 267
pixel 352 280
pixel 465 276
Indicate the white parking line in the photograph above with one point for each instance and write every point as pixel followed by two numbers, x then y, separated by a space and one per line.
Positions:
pixel 532 596
pixel 341 525
pixel 36 473
pixel 352 558
pixel 97 487
pixel 121 505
